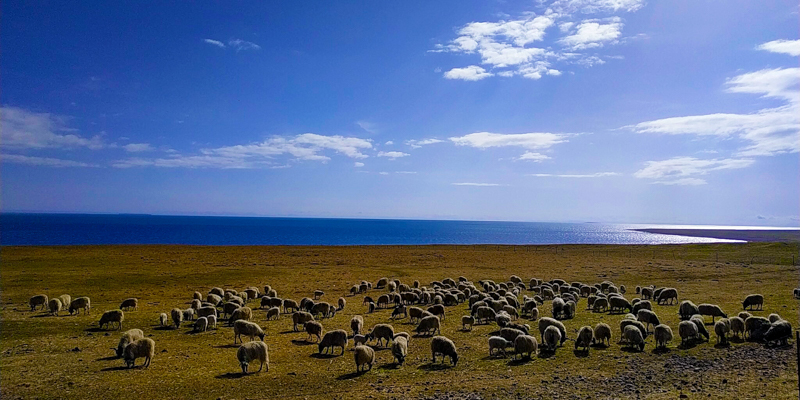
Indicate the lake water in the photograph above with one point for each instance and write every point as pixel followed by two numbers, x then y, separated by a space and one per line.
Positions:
pixel 93 229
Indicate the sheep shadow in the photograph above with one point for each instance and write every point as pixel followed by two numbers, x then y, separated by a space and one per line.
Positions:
pixel 227 346
pixel 231 375
pixel 600 346
pixel 324 356
pixel 351 375
pixel 163 328
pixel 661 350
pixel 545 354
pixel 302 342
pixel 514 362
pixel 40 316
pixel 630 349
pixel 722 345
pixel 495 356
pixel 435 366
pixel 109 358
pixel 581 353
pixel 687 345
pixel 736 340
pixel 376 348
pixel 193 332
pixel 120 368
pixel 286 332
pixel 392 365
pixel 465 330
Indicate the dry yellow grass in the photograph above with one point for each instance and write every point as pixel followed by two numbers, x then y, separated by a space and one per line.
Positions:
pixel 68 357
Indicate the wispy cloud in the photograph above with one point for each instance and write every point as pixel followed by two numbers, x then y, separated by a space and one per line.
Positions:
pixel 43 161
pixel 594 175
pixel 531 156
pixel 415 144
pixel 790 47
pixel 23 129
pixel 214 42
pixel 367 126
pixel 358 164
pixel 475 184
pixel 683 170
pixel 533 141
pixel 592 33
pixel 596 6
pixel 470 73
pixel 137 147
pixel 392 154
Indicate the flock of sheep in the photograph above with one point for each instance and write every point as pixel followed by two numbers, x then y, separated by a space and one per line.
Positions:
pixel 487 302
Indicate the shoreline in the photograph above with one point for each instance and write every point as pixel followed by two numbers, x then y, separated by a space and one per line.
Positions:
pixel 780 236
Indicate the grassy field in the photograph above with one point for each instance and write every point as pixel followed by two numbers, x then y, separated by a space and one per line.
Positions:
pixel 69 357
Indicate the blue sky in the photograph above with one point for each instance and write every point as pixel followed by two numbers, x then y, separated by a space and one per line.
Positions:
pixel 683 112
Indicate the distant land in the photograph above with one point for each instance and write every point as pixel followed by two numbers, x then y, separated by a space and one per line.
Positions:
pixel 789 236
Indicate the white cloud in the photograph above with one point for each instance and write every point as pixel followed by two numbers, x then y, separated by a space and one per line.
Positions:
pixel 383 173
pixel 389 143
pixel 683 170
pixel 415 144
pixel 358 164
pixel 766 132
pixel 31 130
pixel 406 172
pixel 240 44
pixel 532 141
pixel 214 42
pixel 392 154
pixel 367 126
pixel 596 6
pixel 471 73
pixel 475 184
pixel 42 161
pixel 594 175
pixel 192 161
pixel 790 47
pixel 531 156
pixel 590 34
pixel 137 147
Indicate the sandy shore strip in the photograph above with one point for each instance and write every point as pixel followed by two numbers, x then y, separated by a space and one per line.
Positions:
pixel 788 236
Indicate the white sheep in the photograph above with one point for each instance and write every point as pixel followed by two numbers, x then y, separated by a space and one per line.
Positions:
pixel 163 319
pixel 648 318
pixel 141 348
pixel 467 320
pixel 81 303
pixel 65 300
pixel 273 313
pixel 721 328
pixel 700 322
pixel 253 351
pixel 212 321
pixel 667 296
pixel 737 326
pixel 779 332
pixel 445 347
pixel 242 313
pixel 38 300
pixel 633 337
pixel 400 349
pixel 54 305
pixel 364 357
pixel 359 339
pixel 663 335
pixel 500 344
pixel 129 336
pixel 602 334
pixel 551 338
pixel 753 300
pixel 774 318
pixel 334 338
pixel 381 332
pixel 525 344
pixel 545 322
pixel 201 324
pixel 301 318
pixel 313 328
pixel 129 304
pixel 687 309
pixel 247 328
pixel 177 317
pixel 711 309
pixel 585 338
pixel 429 326
pixel 687 331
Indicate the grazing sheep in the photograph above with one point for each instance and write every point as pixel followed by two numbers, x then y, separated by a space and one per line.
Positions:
pixel 648 318
pixel 755 327
pixel 359 339
pixel 341 302
pixel 687 309
pixel 629 322
pixel 65 300
pixel 500 344
pixel 774 318
pixel 737 327
pixel 81 303
pixel 638 289
pixel 641 305
pixel 551 338
pixel 796 293
pixel 140 348
pixel 197 296
pixel 429 326
pixel 600 305
pixel 111 316
pixel 400 349
pixel 177 317
pixel 619 303
pixel 647 293
pixel 546 322
pixel 633 337
pixel 364 357
pixel 251 293
pixel 437 310
pixel 289 305
pixel 721 328
pixel 445 347
pixel 301 318
pixel 318 294
pixel 163 319
pixel 241 313
pixel 381 332
pixel 753 300
pixel 313 328
pixel 558 307
pixel 778 333
pixel 525 344
pixel 264 302
pixel 253 351
pixel 54 305
pixel 371 308
pixel 399 312
pixel 217 291
pixel 585 338
pixel 534 314
pixel 213 299
pixel 502 319
pixel 206 311
pixel 334 338
pixel 711 309
pixel 402 334
pixel 129 304
pixel 663 335
pixel 128 337
pixel 229 308
pixel 188 314
pixel 687 331
pixel 602 334
pixel 467 320
pixel 744 315
pixel 485 314
pixel 323 309
pixel 196 304
pixel 356 324
pixel 668 296
pixel 201 324
pixel 701 326
pixel 212 321
pixel 38 300
pixel 622 289
pixel 247 328
pixel 273 313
